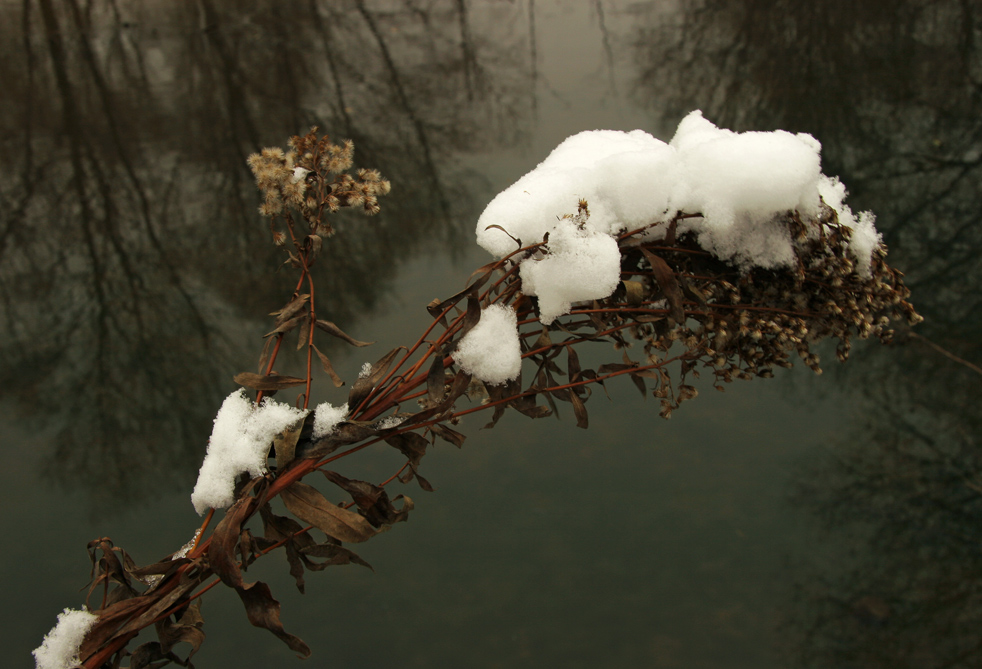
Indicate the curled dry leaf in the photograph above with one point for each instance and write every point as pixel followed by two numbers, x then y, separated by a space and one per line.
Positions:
pixel 471 318
pixel 579 409
pixel 291 309
pixel 435 309
pixel 187 630
pixel 634 291
pixel 264 611
pixel 328 368
pixel 413 446
pixel 312 245
pixel 151 655
pixel 668 283
pixel 437 306
pixel 372 500
pixel 307 504
pixel 285 326
pixel 498 227
pixel 333 330
pixel 285 443
pixel 448 434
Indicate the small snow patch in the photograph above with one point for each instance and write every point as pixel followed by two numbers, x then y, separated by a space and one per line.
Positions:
pixel 490 350
pixel 239 444
pixel 327 417
pixel 60 647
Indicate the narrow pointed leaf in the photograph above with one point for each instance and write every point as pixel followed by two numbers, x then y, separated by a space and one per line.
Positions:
pixel 285 327
pixel 271 382
pixel 579 410
pixel 264 358
pixel 329 368
pixel 291 309
pixel 668 283
pixel 307 504
pixel 436 379
pixel 303 339
pixel 365 384
pixel 573 364
pixel 333 330
pixel 471 318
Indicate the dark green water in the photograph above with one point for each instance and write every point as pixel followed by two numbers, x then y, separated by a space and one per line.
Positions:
pixel 805 521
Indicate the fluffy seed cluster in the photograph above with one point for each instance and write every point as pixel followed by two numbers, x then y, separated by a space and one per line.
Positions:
pixel 312 178
pixel 742 325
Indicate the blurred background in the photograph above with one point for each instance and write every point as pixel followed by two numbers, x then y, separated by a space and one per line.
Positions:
pixel 805 521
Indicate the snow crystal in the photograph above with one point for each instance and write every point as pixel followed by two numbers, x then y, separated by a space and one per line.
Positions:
pixel 580 265
pixel 327 417
pixel 490 350
pixel 239 444
pixel 60 647
pixel 389 422
pixel 366 371
pixel 741 183
pixel 865 238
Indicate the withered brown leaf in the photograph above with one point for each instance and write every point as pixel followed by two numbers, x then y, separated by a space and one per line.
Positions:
pixel 371 499
pixel 579 409
pixel 471 316
pixel 448 434
pixel 333 330
pixel 329 368
pixel 187 629
pixel 285 443
pixel 365 384
pixel 436 379
pixel 413 446
pixel 291 309
pixel 285 327
pixel 634 291
pixel 303 338
pixel 264 611
pixel 270 382
pixel 310 506
pixel 668 283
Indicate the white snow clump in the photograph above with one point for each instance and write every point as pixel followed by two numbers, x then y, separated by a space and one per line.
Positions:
pixel 865 238
pixel 327 417
pixel 59 649
pixel 741 183
pixel 582 264
pixel 239 444
pixel 490 350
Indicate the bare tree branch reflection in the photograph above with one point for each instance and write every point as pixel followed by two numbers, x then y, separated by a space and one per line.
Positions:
pixel 128 220
pixel 895 93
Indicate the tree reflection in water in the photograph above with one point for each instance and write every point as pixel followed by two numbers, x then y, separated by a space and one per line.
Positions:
pixel 893 90
pixel 128 232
